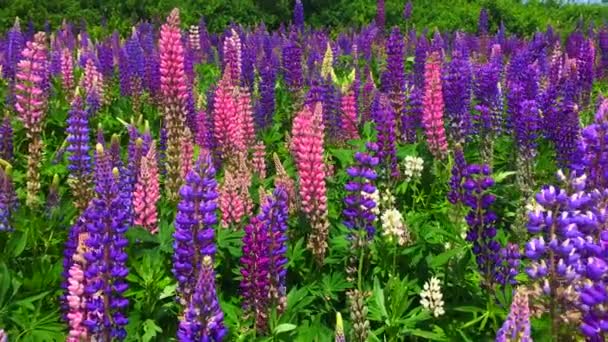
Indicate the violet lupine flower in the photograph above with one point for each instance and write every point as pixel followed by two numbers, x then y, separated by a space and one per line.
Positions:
pixel 6 139
pixel 274 213
pixel 292 63
pixel 298 15
pixel 456 193
pixel 79 161
pixel 407 10
pixel 124 73
pixel 194 222
pixel 527 124
pixel 457 83
pixel 395 78
pixel 266 104
pixel 106 258
pixel 603 45
pixel 509 264
pixel 358 213
pixel 592 151
pixel 516 327
pixel 481 220
pixel 422 47
pixel 567 128
pixel 384 118
pixel 136 63
pixel 248 65
pixel 8 199
pixel 15 42
pixel 483 24
pixel 585 65
pixel 255 285
pixel 105 56
pixel 203 318
pixel 380 15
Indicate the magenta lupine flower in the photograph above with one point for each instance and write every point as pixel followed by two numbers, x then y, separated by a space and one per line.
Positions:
pixel 432 115
pixel 349 116
pixel 228 128
pixel 31 103
pixel 245 112
pixel 174 91
pixel 147 192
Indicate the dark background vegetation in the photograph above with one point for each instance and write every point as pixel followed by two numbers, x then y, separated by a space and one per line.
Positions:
pixel 519 18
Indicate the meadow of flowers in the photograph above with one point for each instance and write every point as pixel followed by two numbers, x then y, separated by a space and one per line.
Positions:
pixel 373 184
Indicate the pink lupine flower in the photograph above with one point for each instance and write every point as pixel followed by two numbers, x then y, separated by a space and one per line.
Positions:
pixel 227 130
pixel 307 147
pixel 174 91
pixel 349 116
pixel 432 116
pixel 92 81
pixel 147 192
pixel 259 159
pixel 67 69
pixel 76 304
pixel 202 131
pixel 245 112
pixel 31 103
pixel 187 153
pixel 234 200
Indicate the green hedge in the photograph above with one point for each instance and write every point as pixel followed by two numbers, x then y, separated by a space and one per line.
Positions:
pixel 521 19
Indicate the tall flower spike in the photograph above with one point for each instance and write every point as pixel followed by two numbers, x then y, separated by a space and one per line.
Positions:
pixel 245 112
pixel 174 90
pixel 233 58
pixel 79 161
pixel 67 70
pixel 432 115
pixel 6 138
pixel 339 333
pixel 283 180
pixel 349 118
pixel 292 64
pixel 516 327
pixel 76 296
pixel 385 120
pixel 8 198
pixel 147 192
pixel 228 128
pixel 457 81
pixel 298 15
pixel 194 224
pixel 259 159
pixel 106 258
pixel 380 15
pixel 203 318
pixel 307 146
pixel 31 106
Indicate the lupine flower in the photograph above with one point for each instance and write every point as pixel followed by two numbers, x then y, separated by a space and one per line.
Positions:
pixel 431 297
pixel 259 159
pixel 75 295
pixel 358 314
pixel 194 226
pixel 106 258
pixel 8 199
pixel 358 212
pixel 234 199
pixel 432 115
pixel 245 112
pixel 420 60
pixel 483 24
pixel 407 10
pixel 395 79
pixel 384 117
pixel 394 227
pixel 3 336
pixel 266 104
pixel 380 15
pixel 31 106
pixel 603 45
pixel 509 264
pixel 349 118
pixel 298 15
pixel 283 181
pixel 6 139
pixel 52 198
pixel 339 333
pixel 457 81
pixel 15 42
pixel 147 192
pixel 292 63
pixel 203 318
pixel 516 327
pixel 187 153
pixel 307 147
pixel 79 161
pixel 526 129
pixel 481 219
pixel 327 66
pixel 233 58
pixel 194 38
pixel 174 88
pixel 67 70
pixel 585 65
pixel 93 85
pixel 591 150
pixel 228 127
pixel 412 168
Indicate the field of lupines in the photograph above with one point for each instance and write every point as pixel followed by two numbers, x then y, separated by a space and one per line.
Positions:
pixel 379 184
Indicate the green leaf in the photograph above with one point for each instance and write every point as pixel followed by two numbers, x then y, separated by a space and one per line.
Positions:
pixel 285 327
pixel 429 335
pixel 500 176
pixel 150 330
pixel 441 259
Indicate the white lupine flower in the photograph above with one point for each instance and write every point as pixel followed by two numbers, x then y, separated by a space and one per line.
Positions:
pixel 194 37
pixel 431 297
pixel 387 200
pixel 393 227
pixel 413 167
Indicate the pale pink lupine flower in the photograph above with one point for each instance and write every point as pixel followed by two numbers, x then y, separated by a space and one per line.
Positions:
pixel 147 192
pixel 31 70
pixel 92 81
pixel 433 107
pixel 259 159
pixel 67 69
pixel 245 112
pixel 187 153
pixel 76 305
pixel 233 57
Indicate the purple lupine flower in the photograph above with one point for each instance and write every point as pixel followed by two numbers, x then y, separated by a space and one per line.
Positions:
pixel 203 318
pixel 194 222
pixel 8 199
pixel 481 220
pixel 483 24
pixel 384 118
pixel 266 105
pixel 487 93
pixel 603 45
pixel 509 264
pixel 106 59
pixel 394 79
pixel 456 193
pixel 204 40
pixel 274 213
pixel 567 124
pixel 298 15
pixel 380 15
pixel 79 161
pixel 437 44
pixel 527 124
pixel 15 42
pixel 592 150
pixel 407 10
pixel 420 55
pixel 358 212
pixel 248 64
pixel 517 325
pixel 6 139
pixel 331 109
pixel 585 65
pixel 136 62
pixel 255 285
pixel 124 73
pixel 106 258
pixel 457 82
pixel 573 43
pixel 292 63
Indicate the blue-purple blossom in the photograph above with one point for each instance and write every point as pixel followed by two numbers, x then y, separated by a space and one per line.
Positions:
pixel 383 116
pixel 6 139
pixel 457 84
pixel 292 63
pixel 79 161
